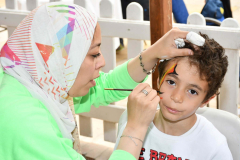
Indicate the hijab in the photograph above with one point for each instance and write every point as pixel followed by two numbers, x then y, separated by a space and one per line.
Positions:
pixel 45 53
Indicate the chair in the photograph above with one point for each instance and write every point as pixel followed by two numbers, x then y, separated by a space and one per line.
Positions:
pixel 181 14
pixel 228 124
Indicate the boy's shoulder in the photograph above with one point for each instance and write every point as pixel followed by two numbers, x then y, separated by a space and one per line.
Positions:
pixel 208 131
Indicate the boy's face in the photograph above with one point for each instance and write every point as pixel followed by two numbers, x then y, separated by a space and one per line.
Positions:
pixel 182 90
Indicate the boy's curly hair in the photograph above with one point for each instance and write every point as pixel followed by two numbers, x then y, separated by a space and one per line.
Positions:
pixel 210 60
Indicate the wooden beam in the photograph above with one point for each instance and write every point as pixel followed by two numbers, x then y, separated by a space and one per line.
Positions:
pixel 160 23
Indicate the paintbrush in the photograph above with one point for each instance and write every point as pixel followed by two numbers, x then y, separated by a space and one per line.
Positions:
pixel 117 89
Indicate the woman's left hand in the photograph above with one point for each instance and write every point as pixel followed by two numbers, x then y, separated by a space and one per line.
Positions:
pixel 165 47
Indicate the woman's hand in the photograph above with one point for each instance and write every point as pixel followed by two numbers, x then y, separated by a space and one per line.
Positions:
pixel 142 107
pixel 166 48
pixel 141 111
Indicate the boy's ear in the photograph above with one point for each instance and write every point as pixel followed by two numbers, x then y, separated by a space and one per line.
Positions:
pixel 206 102
pixel 158 82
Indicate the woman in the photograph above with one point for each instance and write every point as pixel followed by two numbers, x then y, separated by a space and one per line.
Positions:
pixel 55 53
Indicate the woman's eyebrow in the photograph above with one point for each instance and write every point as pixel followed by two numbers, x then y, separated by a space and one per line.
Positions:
pixel 95 45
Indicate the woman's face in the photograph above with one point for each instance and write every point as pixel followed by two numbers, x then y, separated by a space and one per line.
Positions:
pixel 90 67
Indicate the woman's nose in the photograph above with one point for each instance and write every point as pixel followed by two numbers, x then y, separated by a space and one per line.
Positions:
pixel 177 96
pixel 100 62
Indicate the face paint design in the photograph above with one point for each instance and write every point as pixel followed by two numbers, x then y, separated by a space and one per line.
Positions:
pixel 171 70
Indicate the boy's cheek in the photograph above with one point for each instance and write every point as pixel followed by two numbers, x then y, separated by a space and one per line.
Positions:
pixel 162 89
pixel 160 96
pixel 165 93
pixel 161 103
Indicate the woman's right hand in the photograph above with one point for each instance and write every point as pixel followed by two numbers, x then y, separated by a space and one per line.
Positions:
pixel 141 111
pixel 142 108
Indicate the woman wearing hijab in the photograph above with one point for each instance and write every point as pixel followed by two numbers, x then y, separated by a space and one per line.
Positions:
pixel 54 54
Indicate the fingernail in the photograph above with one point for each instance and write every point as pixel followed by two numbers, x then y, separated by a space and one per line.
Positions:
pixel 190 52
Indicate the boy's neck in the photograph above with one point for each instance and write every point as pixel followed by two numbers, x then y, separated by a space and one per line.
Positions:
pixel 174 128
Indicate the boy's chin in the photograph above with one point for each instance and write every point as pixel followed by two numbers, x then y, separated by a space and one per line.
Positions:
pixel 175 118
pixel 171 119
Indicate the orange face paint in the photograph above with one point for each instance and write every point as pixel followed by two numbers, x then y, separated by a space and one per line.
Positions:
pixel 171 70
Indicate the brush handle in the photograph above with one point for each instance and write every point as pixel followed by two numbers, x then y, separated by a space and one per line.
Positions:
pixel 117 89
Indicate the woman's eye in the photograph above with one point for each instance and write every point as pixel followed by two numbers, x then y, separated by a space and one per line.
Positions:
pixel 96 55
pixel 193 92
pixel 171 82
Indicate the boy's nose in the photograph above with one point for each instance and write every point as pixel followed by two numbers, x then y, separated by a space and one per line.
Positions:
pixel 100 62
pixel 177 96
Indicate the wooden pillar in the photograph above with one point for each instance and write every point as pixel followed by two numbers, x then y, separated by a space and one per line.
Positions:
pixel 160 23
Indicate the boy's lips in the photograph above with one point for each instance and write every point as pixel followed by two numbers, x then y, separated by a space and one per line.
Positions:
pixel 172 110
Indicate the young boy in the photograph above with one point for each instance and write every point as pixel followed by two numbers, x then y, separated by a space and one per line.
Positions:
pixel 185 84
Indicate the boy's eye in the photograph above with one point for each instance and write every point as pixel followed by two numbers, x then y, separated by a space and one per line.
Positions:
pixel 96 55
pixel 171 82
pixel 192 92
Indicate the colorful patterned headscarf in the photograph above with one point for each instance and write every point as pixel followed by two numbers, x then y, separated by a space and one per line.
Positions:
pixel 45 53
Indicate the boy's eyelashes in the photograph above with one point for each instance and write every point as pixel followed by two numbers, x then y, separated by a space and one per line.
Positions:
pixel 96 55
pixel 171 82
pixel 191 91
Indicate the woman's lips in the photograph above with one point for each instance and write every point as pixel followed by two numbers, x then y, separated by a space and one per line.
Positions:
pixel 93 82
